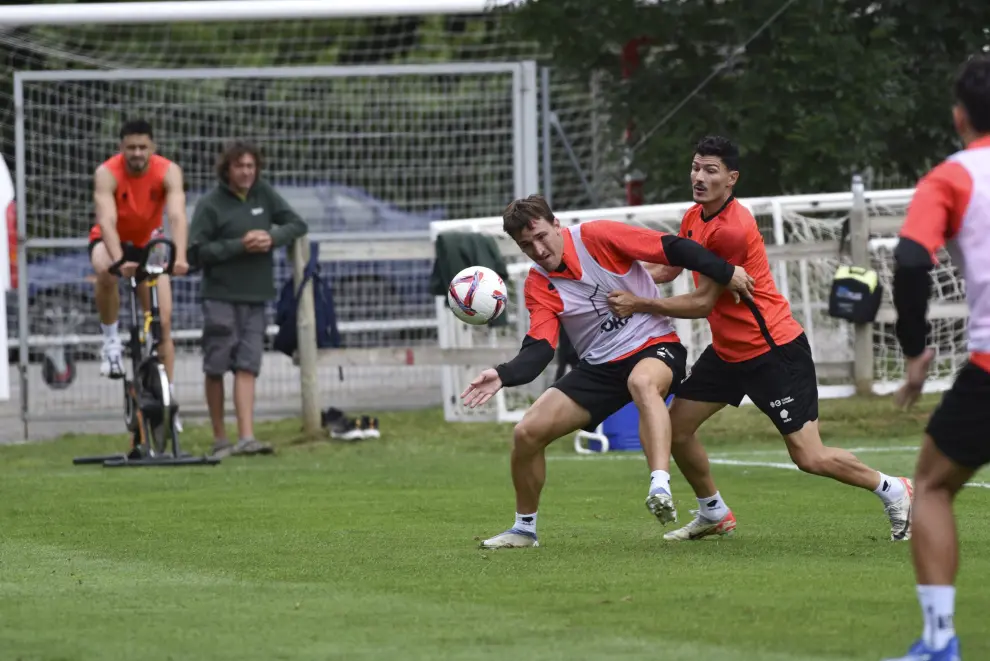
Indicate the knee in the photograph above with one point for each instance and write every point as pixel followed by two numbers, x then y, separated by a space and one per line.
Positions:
pixel 527 438
pixel 105 280
pixel 645 387
pixel 811 462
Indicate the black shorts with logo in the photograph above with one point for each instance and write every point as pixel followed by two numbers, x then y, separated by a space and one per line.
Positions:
pixel 960 426
pixel 781 382
pixel 602 389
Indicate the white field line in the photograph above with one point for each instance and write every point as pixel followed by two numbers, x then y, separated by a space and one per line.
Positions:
pixel 723 460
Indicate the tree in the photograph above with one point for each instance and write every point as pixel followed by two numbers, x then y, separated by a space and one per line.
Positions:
pixel 828 88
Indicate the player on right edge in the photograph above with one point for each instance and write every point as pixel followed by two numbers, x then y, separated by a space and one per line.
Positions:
pixel 758 350
pixel 951 204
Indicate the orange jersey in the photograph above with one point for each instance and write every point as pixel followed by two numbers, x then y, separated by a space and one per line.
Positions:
pixel 615 247
pixel 740 331
pixel 140 199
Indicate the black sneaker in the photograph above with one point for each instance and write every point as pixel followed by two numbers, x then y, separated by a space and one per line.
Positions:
pixel 369 427
pixel 346 429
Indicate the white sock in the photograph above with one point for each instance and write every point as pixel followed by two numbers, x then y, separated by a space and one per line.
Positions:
pixel 713 508
pixel 526 522
pixel 890 489
pixel 659 480
pixel 938 606
pixel 109 330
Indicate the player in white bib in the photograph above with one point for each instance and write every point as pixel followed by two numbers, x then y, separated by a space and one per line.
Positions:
pixel 637 358
pixel 951 208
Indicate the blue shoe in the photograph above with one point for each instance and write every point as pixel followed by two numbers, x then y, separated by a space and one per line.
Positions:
pixel 661 505
pixel 920 652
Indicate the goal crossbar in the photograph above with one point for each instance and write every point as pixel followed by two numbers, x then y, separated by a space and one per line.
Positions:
pixel 224 10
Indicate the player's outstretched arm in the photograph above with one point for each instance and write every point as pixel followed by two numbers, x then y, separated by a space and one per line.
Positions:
pixel 538 347
pixel 175 210
pixel 697 304
pixel 631 244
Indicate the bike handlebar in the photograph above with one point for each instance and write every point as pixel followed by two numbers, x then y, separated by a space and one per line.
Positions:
pixel 132 253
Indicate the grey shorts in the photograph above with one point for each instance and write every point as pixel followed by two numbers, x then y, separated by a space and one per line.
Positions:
pixel 233 337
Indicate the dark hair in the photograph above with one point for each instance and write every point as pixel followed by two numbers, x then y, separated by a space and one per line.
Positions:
pixel 972 91
pixel 716 145
pixel 520 213
pixel 136 127
pixel 232 152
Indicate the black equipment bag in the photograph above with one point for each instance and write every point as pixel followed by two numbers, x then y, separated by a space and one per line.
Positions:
pixel 856 292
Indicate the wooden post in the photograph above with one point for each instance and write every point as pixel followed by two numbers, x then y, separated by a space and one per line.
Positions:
pixel 306 350
pixel 859 239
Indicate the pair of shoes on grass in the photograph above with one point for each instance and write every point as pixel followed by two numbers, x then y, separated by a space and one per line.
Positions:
pixel 345 428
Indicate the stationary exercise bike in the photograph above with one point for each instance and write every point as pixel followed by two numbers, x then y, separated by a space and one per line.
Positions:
pixel 149 409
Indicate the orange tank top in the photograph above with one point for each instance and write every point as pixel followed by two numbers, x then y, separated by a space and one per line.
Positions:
pixel 140 198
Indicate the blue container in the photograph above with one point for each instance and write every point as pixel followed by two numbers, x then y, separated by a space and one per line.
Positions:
pixel 622 430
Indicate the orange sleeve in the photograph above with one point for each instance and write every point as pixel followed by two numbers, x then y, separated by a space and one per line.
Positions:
pixel 544 304
pixel 617 245
pixel 939 203
pixel 729 241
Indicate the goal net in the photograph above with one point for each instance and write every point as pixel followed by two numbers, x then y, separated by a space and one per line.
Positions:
pixel 369 125
pixel 791 222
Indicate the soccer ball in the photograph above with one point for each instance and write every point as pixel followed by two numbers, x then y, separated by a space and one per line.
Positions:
pixel 477 295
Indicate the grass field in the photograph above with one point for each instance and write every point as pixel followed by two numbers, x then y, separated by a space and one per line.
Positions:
pixel 369 551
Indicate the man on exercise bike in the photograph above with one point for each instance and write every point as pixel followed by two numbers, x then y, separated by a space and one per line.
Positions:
pixel 131 191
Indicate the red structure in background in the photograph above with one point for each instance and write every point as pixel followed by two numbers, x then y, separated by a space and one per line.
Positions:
pixel 12 241
pixel 630 59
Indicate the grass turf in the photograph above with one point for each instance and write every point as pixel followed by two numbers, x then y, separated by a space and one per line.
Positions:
pixel 369 551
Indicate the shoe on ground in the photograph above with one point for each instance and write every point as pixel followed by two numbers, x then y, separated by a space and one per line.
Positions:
pixel 112 358
pixel 221 449
pixel 346 429
pixel 513 538
pixel 921 652
pixel 899 513
pixel 700 527
pixel 369 427
pixel 661 505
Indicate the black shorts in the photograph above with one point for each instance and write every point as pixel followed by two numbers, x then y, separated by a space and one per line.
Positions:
pixel 781 382
pixel 602 389
pixel 960 426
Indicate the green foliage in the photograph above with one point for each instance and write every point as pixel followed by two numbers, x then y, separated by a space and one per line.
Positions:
pixel 827 89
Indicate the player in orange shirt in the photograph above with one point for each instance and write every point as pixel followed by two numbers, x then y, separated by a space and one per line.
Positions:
pixel 758 350
pixel 131 191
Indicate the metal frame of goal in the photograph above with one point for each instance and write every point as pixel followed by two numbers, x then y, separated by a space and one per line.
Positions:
pixel 509 90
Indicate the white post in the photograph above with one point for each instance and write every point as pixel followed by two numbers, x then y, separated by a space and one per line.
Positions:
pixel 306 335
pixel 859 238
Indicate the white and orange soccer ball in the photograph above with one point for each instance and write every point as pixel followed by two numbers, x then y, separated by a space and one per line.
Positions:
pixel 477 295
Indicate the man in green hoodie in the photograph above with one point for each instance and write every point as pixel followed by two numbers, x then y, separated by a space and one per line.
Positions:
pixel 234 230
